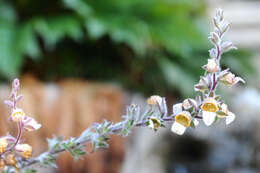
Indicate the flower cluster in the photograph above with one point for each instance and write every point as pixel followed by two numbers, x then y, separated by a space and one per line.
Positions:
pixel 11 149
pixel 208 106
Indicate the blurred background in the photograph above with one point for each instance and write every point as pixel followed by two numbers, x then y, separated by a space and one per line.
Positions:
pixel 82 61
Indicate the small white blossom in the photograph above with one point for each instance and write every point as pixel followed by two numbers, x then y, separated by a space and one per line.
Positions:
pixel 212 66
pixel 17 115
pixel 230 79
pixel 209 109
pixel 182 121
pixel 30 124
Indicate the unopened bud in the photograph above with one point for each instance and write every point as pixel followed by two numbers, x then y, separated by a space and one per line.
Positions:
pixel 214 38
pixel 227 46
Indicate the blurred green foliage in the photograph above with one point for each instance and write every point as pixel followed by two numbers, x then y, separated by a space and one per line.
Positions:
pixel 149 45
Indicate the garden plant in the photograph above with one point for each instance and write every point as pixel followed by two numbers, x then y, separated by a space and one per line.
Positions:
pixel 207 107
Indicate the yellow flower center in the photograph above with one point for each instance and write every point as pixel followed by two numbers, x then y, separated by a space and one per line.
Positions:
pixel 17 115
pixel 27 151
pixel 209 107
pixel 183 119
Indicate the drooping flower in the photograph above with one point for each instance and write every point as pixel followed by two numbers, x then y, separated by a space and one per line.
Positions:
pixel 3 144
pixel 209 109
pixel 225 113
pixel 211 66
pixel 17 115
pixel 182 121
pixel 203 84
pixel 188 103
pixel 24 150
pixel 230 79
pixel 154 123
pixel 154 100
pixel 30 124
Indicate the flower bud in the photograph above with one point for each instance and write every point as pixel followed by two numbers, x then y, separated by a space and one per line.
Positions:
pixel 154 100
pixel 213 53
pixel 17 115
pixel 30 124
pixel 220 14
pixel 212 66
pixel 214 38
pixel 24 150
pixel 188 103
pixel 227 46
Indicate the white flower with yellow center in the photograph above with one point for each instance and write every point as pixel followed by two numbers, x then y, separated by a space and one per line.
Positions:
pixel 212 66
pixel 154 123
pixel 230 116
pixel 209 109
pixel 24 150
pixel 182 121
pixel 3 144
pixel 17 115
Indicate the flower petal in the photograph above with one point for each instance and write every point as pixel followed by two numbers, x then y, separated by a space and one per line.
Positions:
pixel 208 117
pixel 178 128
pixel 230 118
pixel 177 108
pixel 196 122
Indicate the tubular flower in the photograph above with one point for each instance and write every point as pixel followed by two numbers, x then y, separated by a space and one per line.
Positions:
pixel 230 116
pixel 229 79
pixel 209 109
pixel 17 115
pixel 212 66
pixel 188 103
pixel 30 124
pixel 154 123
pixel 154 100
pixel 3 145
pixel 24 150
pixel 182 121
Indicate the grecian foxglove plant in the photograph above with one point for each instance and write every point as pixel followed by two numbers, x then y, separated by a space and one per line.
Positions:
pixel 15 156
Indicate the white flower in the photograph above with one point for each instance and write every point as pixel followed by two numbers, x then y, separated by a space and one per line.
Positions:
pixel 230 116
pixel 17 115
pixel 196 122
pixel 209 109
pixel 188 103
pixel 182 121
pixel 155 100
pixel 229 79
pixel 30 124
pixel 212 66
pixel 24 150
